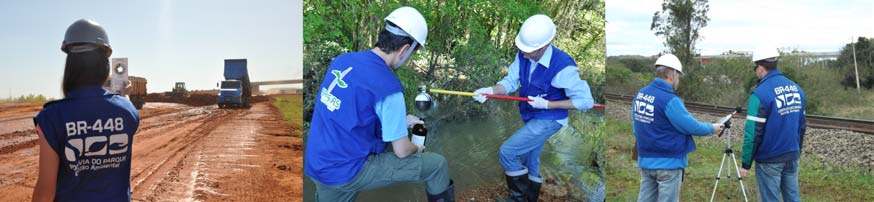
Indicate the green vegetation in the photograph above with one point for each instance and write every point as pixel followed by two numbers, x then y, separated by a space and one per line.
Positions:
pixel 292 112
pixel 729 81
pixel 470 43
pixel 864 49
pixel 680 23
pixel 30 98
pixel 818 179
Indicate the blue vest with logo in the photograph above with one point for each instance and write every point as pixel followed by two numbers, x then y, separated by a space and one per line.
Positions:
pixel 91 131
pixel 345 128
pixel 783 102
pixel 539 83
pixel 655 135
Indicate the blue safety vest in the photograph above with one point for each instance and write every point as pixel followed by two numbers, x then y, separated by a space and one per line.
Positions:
pixel 655 135
pixel 345 128
pixel 539 84
pixel 782 103
pixel 91 131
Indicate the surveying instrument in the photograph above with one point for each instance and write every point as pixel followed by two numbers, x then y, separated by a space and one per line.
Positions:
pixel 729 153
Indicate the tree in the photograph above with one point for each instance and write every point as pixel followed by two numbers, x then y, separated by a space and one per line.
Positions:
pixel 679 22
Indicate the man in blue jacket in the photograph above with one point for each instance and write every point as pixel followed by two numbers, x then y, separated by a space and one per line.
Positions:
pixel 550 78
pixel 774 129
pixel 360 107
pixel 663 129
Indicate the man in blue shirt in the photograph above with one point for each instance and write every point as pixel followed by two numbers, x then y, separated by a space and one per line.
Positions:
pixel 550 78
pixel 774 129
pixel 663 129
pixel 360 107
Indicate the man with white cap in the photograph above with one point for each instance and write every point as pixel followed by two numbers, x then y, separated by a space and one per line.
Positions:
pixel 550 78
pixel 360 107
pixel 774 130
pixel 663 129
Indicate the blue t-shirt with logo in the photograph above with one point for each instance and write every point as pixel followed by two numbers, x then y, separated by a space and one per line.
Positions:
pixel 91 131
pixel 359 108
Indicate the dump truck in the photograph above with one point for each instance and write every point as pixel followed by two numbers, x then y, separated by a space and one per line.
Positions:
pixel 137 91
pixel 131 87
pixel 236 89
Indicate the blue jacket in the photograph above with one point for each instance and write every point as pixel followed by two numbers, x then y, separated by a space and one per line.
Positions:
pixel 91 131
pixel 662 125
pixel 775 124
pixel 345 128
pixel 540 85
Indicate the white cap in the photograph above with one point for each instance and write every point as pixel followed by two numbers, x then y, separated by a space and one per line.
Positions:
pixel 765 52
pixel 670 61
pixel 410 21
pixel 536 32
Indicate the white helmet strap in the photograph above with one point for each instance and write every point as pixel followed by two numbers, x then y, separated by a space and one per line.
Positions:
pixel 400 32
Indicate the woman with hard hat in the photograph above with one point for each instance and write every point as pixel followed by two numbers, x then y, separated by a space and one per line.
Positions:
pixel 550 78
pixel 359 109
pixel 85 139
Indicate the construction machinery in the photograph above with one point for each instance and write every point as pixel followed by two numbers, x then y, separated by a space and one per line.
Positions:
pixel 132 87
pixel 179 91
pixel 236 89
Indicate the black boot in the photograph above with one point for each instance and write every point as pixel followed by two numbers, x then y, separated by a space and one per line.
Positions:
pixel 446 196
pixel 533 191
pixel 518 186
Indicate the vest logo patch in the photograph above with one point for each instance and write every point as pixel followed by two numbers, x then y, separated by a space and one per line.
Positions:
pixel 331 101
pixel 787 99
pixel 644 110
pixel 101 150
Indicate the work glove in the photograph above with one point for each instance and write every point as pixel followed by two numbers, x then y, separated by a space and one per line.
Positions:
pixel 413 120
pixel 538 102
pixel 479 97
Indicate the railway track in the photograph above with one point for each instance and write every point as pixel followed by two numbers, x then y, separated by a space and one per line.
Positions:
pixel 815 121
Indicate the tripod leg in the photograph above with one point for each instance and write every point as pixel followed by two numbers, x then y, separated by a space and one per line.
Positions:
pixel 718 175
pixel 739 179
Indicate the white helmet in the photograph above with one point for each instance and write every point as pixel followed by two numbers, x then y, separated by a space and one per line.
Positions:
pixel 536 32
pixel 410 21
pixel 670 61
pixel 765 52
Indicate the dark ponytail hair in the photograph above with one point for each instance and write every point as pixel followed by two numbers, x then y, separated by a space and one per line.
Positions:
pixel 89 68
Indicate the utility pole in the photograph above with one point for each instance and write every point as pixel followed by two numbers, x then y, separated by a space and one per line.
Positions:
pixel 856 66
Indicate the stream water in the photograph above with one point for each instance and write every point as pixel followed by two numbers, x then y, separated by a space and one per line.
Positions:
pixel 568 161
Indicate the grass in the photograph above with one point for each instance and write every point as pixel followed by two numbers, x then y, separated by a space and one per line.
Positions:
pixel 818 180
pixel 291 107
pixel 25 99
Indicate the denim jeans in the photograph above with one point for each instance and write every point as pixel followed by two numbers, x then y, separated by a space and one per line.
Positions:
pixel 776 179
pixel 520 154
pixel 660 185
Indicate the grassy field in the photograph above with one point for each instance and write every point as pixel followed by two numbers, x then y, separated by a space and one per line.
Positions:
pixel 291 107
pixel 819 180
pixel 25 99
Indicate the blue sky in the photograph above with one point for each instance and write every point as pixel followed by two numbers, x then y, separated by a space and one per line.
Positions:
pixel 811 25
pixel 164 41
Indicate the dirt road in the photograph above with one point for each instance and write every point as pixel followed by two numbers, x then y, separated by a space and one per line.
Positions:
pixel 180 153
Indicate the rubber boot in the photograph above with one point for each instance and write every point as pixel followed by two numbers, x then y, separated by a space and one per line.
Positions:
pixel 533 191
pixel 446 196
pixel 518 186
